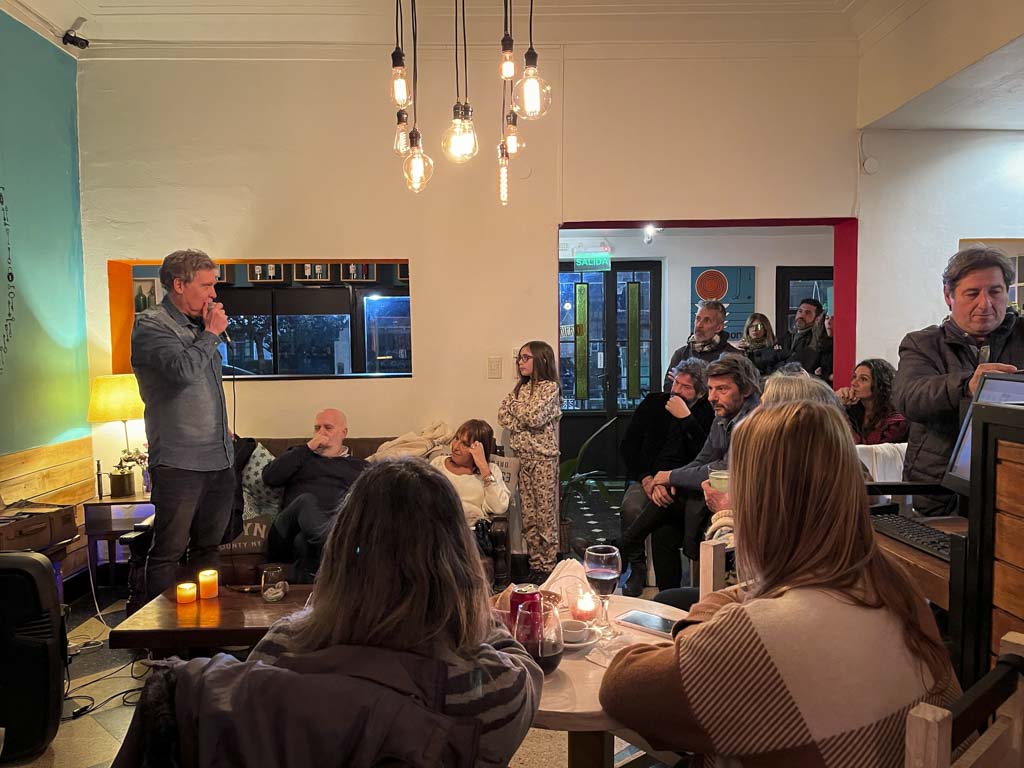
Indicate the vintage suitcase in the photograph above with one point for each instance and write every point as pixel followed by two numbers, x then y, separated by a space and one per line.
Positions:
pixel 28 525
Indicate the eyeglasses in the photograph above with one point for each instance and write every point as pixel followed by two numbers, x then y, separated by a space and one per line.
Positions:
pixel 524 358
pixel 757 327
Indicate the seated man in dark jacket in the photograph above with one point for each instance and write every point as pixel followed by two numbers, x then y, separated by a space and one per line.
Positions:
pixel 942 365
pixel 733 392
pixel 810 341
pixel 316 476
pixel 666 431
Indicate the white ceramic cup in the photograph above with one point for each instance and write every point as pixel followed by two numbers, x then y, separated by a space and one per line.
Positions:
pixel 719 480
pixel 574 631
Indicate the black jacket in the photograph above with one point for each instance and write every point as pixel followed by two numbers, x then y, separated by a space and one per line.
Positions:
pixel 936 364
pixel 657 440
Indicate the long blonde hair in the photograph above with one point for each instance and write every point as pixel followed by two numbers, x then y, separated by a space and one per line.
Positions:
pixel 400 567
pixel 801 515
pixel 779 388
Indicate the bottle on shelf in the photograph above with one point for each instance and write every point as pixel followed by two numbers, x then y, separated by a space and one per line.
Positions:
pixel 140 300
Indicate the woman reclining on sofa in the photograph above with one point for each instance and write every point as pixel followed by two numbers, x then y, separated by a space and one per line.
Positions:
pixel 480 485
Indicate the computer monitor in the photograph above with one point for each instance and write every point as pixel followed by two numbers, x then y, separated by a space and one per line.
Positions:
pixel 997 388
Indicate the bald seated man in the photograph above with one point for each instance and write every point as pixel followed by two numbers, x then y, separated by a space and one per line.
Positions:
pixel 315 477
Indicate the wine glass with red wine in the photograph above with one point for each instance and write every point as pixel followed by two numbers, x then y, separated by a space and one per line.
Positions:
pixel 603 565
pixel 539 629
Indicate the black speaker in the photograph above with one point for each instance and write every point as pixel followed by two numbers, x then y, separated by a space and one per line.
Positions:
pixel 33 649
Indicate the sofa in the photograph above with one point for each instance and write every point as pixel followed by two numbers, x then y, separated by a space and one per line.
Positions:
pixel 243 557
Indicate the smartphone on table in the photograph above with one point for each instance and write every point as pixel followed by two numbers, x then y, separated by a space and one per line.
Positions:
pixel 647 622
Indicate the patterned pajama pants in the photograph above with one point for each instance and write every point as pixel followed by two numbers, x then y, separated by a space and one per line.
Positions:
pixel 538 492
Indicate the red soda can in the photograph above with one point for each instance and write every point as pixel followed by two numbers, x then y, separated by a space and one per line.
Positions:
pixel 521 594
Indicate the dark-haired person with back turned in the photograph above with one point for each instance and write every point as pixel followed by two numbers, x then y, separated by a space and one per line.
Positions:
pixel 941 365
pixel 178 366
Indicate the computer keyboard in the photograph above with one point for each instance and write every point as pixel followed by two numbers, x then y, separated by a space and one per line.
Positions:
pixel 913 533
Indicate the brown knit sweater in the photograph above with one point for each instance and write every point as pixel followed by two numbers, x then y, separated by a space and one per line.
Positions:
pixel 802 680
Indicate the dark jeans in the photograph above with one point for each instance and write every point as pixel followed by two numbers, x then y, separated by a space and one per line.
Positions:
pixel 680 526
pixel 192 510
pixel 298 534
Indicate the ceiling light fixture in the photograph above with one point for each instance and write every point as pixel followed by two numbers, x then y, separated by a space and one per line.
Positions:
pixel 508 63
pixel 512 139
pixel 401 145
pixel 531 96
pixel 418 167
pixel 459 142
pixel 401 94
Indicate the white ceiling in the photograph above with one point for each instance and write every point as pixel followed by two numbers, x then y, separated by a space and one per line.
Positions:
pixel 109 22
pixel 988 95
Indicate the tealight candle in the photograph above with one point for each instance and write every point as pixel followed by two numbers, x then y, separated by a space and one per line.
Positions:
pixel 585 608
pixel 207 584
pixel 187 592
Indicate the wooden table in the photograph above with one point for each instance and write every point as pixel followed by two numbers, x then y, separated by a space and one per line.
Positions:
pixel 930 573
pixel 105 520
pixel 233 618
pixel 569 701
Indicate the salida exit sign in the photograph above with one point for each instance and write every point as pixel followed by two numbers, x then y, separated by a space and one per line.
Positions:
pixel 592 262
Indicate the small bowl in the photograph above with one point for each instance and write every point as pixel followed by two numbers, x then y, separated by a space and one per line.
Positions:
pixel 574 631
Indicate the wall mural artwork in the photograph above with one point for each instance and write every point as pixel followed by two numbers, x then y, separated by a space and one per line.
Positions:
pixel 10 293
pixel 733 286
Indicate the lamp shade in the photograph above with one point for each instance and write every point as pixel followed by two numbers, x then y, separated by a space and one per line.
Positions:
pixel 115 398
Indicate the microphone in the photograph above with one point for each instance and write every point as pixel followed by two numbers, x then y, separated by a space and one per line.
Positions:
pixel 223 334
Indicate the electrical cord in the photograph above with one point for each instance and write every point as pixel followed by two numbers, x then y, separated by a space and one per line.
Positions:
pixel 92 706
pixel 465 48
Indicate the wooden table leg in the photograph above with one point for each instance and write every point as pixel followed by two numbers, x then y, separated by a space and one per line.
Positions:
pixel 112 560
pixel 93 555
pixel 591 749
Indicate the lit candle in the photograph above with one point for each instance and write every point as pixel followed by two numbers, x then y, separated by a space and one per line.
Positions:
pixel 585 608
pixel 207 584
pixel 187 592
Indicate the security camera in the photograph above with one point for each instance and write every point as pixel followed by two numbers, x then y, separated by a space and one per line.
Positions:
pixel 73 38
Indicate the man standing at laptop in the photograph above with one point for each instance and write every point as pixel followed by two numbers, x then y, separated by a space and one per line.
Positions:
pixel 941 366
pixel 175 358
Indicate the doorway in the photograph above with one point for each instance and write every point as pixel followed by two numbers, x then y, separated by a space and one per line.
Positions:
pixel 609 351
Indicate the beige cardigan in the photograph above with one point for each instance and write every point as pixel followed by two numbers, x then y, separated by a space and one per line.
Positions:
pixel 805 679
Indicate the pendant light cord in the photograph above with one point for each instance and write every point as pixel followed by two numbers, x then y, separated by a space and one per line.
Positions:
pixel 415 66
pixel 531 23
pixel 465 48
pixel 399 25
pixel 455 18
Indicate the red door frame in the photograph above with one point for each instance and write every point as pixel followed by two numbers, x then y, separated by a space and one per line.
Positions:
pixel 844 271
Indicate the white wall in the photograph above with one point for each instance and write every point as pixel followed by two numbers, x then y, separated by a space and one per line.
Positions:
pixel 924 42
pixel 243 154
pixel 933 188
pixel 764 248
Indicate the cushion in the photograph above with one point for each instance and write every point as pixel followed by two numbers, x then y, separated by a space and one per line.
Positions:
pixel 252 539
pixel 258 498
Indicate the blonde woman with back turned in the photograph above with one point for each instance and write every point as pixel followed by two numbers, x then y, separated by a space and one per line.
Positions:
pixel 816 659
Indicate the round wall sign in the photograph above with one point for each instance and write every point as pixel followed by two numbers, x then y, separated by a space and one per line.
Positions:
pixel 711 285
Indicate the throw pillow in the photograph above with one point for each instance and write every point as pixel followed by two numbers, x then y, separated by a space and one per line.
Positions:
pixel 259 499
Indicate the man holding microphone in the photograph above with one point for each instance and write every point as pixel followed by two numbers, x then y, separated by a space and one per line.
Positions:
pixel 175 358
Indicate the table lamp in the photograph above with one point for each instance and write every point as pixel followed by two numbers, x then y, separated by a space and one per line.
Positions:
pixel 115 398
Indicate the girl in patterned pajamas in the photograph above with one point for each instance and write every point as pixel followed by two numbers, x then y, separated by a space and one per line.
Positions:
pixel 530 412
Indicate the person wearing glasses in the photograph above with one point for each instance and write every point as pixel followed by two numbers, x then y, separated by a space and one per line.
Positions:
pixel 530 412
pixel 758 343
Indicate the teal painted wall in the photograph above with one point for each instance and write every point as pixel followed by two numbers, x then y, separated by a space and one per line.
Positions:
pixel 44 372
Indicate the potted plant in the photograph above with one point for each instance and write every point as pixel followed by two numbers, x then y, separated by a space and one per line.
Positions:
pixel 122 476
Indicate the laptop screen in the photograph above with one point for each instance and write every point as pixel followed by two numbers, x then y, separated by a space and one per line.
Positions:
pixel 998 389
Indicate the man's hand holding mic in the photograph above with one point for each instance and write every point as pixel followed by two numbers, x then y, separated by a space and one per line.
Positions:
pixel 216 320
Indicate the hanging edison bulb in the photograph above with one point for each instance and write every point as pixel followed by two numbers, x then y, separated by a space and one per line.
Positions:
pixel 418 167
pixel 513 140
pixel 468 141
pixel 508 64
pixel 401 145
pixel 451 139
pixel 401 93
pixel 503 173
pixel 531 96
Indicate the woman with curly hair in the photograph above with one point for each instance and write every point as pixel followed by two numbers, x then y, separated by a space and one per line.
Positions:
pixel 868 402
